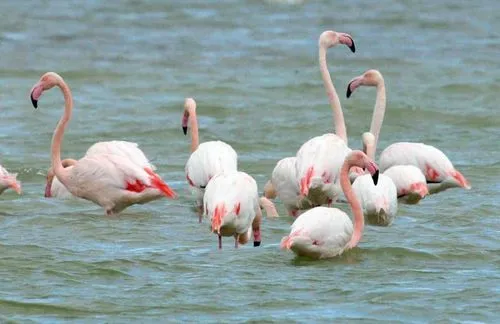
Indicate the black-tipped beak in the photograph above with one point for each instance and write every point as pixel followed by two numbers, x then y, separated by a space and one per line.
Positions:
pixel 352 47
pixel 34 102
pixel 185 130
pixel 348 92
pixel 375 177
pixel 256 243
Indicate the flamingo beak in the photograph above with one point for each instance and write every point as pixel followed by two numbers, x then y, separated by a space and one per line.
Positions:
pixel 375 177
pixel 33 101
pixel 349 92
pixel 352 47
pixel 184 130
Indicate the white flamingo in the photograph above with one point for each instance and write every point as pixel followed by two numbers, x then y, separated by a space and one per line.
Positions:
pixel 9 180
pixel 436 167
pixel 207 159
pixel 108 180
pixel 319 159
pixel 231 200
pixel 408 181
pixel 128 150
pixel 378 202
pixel 324 232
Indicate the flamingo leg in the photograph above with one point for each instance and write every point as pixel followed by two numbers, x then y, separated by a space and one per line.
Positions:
pixel 220 242
pixel 236 238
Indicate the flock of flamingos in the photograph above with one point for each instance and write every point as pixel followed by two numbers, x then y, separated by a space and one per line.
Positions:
pixel 117 174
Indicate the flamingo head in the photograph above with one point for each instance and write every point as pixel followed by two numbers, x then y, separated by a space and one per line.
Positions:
pixel 330 38
pixel 360 159
pixel 371 78
pixel 189 109
pixel 46 82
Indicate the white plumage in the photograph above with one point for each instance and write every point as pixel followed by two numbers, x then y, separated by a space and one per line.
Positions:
pixel 284 182
pixel 379 203
pixel 434 164
pixel 317 166
pixel 9 180
pixel 410 183
pixel 231 201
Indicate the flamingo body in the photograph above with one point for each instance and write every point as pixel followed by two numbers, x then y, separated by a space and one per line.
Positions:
pixel 379 203
pixel 317 166
pixel 208 160
pixel 434 164
pixel 231 201
pixel 410 183
pixel 320 232
pixel 284 181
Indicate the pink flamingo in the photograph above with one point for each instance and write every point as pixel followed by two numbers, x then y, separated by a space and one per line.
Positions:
pixel 319 159
pixel 9 180
pixel 127 150
pixel 105 179
pixel 324 232
pixel 232 202
pixel 437 168
pixel 207 159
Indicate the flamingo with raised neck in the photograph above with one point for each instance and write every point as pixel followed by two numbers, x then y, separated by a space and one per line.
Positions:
pixel 439 172
pixel 207 159
pixel 108 180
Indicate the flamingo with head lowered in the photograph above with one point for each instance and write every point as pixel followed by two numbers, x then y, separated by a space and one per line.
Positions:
pixel 324 232
pixel 435 166
pixel 310 178
pixel 207 159
pixel 108 180
pixel 231 200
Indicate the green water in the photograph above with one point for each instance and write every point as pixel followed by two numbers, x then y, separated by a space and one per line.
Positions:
pixel 252 67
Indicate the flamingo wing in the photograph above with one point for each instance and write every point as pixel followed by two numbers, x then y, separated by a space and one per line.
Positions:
pixel 409 181
pixel 124 149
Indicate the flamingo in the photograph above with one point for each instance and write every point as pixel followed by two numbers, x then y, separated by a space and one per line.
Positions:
pixel 379 202
pixel 324 232
pixel 128 150
pixel 207 159
pixel 320 158
pixel 9 180
pixel 283 184
pixel 108 180
pixel 437 168
pixel 410 183
pixel 232 202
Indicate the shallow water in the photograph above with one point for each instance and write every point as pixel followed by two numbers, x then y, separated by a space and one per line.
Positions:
pixel 252 67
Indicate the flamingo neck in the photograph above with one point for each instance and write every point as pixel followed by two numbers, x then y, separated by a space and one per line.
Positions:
pixel 268 207
pixel 369 150
pixel 378 115
pixel 359 221
pixel 333 98
pixel 195 141
pixel 57 138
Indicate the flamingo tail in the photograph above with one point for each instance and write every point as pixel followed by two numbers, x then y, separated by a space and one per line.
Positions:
pixel 305 182
pixel 159 184
pixel 461 180
pixel 220 211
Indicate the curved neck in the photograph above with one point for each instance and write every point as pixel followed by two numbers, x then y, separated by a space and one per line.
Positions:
pixel 268 207
pixel 359 220
pixel 333 98
pixel 57 138
pixel 195 142
pixel 378 115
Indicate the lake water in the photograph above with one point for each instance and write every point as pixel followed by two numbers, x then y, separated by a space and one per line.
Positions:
pixel 252 67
